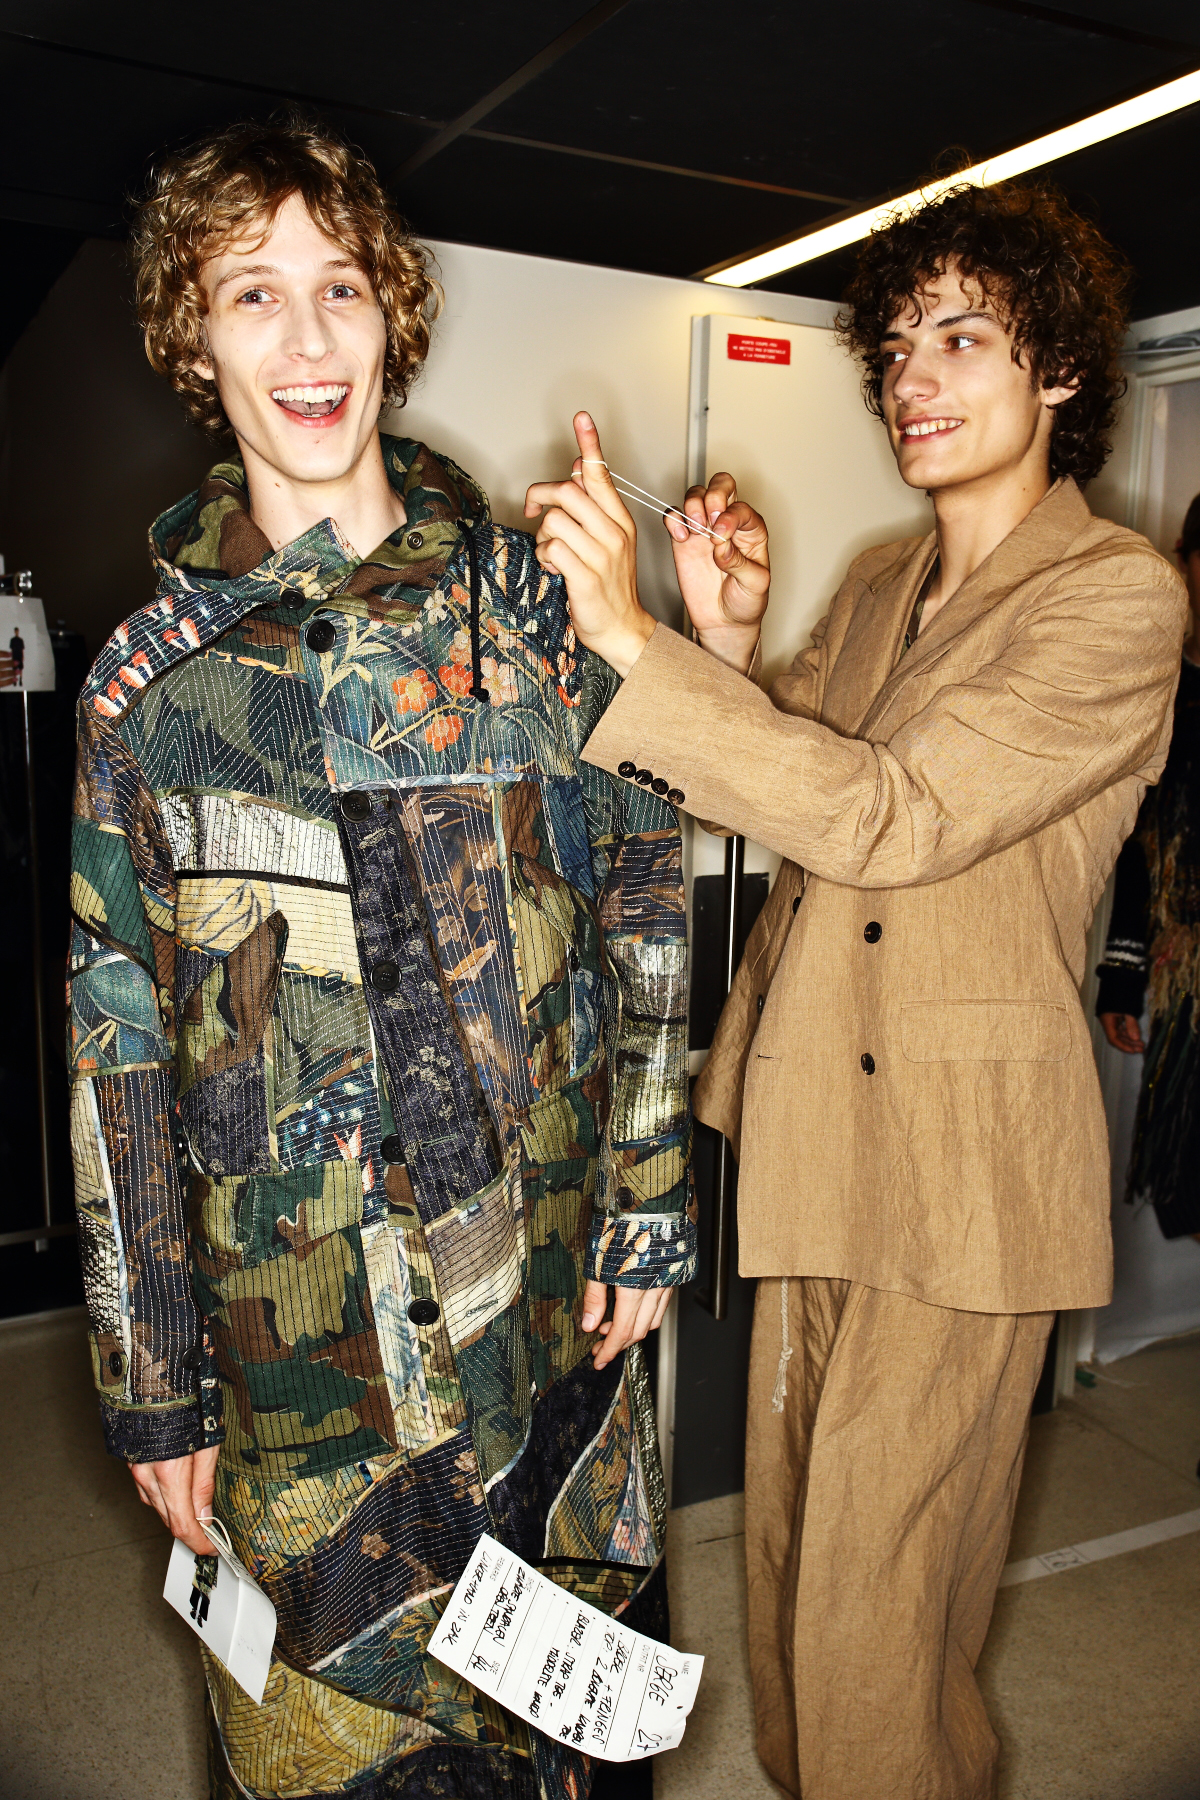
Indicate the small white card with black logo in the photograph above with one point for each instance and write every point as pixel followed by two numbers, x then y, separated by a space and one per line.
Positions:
pixel 225 1606
pixel 577 1674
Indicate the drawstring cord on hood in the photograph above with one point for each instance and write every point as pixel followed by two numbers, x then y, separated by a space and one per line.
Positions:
pixel 478 691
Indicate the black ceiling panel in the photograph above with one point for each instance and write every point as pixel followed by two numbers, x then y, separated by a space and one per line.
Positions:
pixel 111 119
pixel 846 100
pixel 375 53
pixel 512 198
pixel 662 135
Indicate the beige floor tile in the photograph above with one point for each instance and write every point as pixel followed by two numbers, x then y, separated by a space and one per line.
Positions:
pixel 706 1551
pixel 61 1495
pixel 1152 1401
pixel 1091 1680
pixel 1081 1481
pixel 103 1694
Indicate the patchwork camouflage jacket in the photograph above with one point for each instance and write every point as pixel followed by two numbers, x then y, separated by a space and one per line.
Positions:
pixel 377 1000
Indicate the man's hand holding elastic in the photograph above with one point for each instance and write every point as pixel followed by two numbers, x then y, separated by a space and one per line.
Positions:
pixel 726 581
pixel 181 1491
pixel 636 1312
pixel 587 536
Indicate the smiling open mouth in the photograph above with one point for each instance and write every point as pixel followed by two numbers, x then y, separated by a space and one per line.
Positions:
pixel 311 402
pixel 917 428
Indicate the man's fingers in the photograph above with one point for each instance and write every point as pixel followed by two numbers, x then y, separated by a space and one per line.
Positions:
pixel 717 497
pixel 149 1493
pixel 592 542
pixel 611 525
pixel 595 1303
pixel 636 1312
pixel 595 470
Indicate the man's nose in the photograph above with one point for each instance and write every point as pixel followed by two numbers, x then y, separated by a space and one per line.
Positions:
pixel 916 378
pixel 308 335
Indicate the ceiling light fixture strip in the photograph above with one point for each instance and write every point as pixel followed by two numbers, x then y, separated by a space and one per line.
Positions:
pixel 806 246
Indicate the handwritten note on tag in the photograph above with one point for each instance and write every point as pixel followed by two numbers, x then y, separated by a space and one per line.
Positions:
pixel 225 1606
pixel 563 1665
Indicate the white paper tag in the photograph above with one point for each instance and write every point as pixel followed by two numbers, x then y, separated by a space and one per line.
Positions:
pixel 231 1613
pixel 579 1676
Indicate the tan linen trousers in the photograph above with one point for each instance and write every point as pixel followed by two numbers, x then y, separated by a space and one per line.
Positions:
pixel 879 1502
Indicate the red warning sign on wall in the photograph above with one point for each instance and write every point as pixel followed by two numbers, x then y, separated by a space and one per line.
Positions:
pixel 759 349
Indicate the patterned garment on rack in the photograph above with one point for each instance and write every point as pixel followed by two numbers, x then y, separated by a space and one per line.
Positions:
pixel 379 1042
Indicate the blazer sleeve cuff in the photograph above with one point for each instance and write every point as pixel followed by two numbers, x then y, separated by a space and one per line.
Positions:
pixel 633 735
pixel 142 1434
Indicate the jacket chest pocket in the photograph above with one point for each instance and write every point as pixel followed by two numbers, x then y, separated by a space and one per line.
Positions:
pixel 225 1043
pixel 985 1031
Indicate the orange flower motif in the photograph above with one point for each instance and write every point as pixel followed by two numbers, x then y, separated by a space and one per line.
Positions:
pixel 567 699
pixel 456 678
pixel 414 692
pixel 445 729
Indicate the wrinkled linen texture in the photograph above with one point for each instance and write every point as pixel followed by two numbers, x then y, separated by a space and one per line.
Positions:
pixel 377 998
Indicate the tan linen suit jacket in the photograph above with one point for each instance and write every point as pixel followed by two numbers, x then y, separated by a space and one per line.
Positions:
pixel 916 1107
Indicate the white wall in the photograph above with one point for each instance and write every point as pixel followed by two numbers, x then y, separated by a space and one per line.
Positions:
pixel 524 343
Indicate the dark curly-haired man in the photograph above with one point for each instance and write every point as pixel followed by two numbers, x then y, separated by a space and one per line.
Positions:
pixel 948 770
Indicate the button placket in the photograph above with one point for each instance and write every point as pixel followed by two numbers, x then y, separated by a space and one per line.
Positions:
pixel 442 1134
pixel 320 636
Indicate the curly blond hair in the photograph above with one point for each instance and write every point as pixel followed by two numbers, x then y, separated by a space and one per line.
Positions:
pixel 222 189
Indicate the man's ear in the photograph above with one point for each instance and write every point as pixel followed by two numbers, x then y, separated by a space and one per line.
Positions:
pixel 202 364
pixel 1054 396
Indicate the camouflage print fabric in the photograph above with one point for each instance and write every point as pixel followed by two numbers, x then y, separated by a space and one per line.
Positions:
pixel 378 1037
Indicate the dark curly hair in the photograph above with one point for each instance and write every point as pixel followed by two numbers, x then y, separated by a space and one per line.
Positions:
pixel 1051 277
pixel 234 183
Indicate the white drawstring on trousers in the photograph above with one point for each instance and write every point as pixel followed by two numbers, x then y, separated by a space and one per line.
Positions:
pixel 779 1394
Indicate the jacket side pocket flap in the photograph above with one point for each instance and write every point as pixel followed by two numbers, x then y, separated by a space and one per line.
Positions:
pixel 985 1031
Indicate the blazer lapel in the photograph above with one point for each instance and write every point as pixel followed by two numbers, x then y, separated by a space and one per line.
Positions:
pixel 1036 543
pixel 873 639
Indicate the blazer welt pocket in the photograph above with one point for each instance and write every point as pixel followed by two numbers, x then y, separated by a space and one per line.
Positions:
pixel 985 1031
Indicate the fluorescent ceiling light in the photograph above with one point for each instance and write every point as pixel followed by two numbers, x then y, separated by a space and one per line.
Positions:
pixel 1115 119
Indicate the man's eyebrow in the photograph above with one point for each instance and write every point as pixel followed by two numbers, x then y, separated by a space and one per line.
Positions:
pixel 335 262
pixel 237 274
pixel 962 318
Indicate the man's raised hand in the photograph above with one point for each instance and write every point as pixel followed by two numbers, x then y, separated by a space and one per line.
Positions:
pixel 587 536
pixel 726 581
